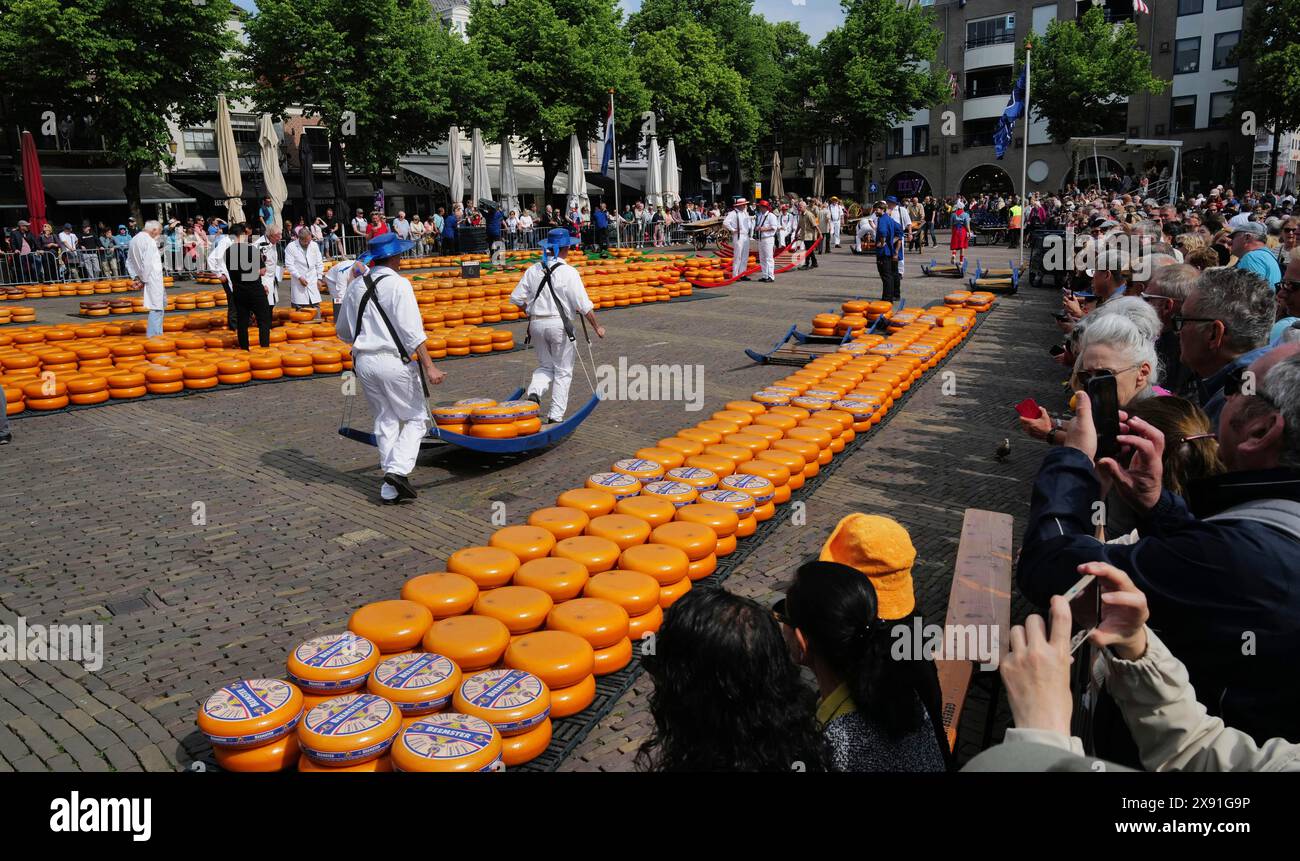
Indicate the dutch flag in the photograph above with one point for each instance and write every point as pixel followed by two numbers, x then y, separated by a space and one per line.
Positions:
pixel 609 141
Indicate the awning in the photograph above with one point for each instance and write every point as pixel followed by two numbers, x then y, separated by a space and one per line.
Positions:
pixel 528 178
pixel 104 188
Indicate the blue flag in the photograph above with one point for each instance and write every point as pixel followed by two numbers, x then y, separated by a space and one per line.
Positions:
pixel 1007 122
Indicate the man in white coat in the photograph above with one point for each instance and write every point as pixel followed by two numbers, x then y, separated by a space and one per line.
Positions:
pixel 144 263
pixel 789 224
pixel 765 227
pixel 382 361
pixel 551 303
pixel 217 266
pixel 271 262
pixel 306 268
pixel 739 224
pixel 837 221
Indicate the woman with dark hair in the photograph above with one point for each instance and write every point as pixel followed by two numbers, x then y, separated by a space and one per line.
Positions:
pixel 726 695
pixel 878 713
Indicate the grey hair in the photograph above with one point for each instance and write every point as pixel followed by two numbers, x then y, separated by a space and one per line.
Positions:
pixel 1146 228
pixel 1131 340
pixel 152 224
pixel 1242 301
pixel 1137 310
pixel 1282 386
pixel 1175 281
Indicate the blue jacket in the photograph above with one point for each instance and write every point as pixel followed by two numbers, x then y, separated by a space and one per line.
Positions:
pixel 1224 595
pixel 600 218
pixel 1210 389
pixel 449 226
pixel 887 230
pixel 494 224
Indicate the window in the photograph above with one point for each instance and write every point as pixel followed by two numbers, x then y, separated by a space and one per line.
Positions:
pixel 991 31
pixel 1220 108
pixel 1228 4
pixel 201 143
pixel 920 140
pixel 1187 55
pixel 1190 7
pixel 1225 45
pixel 1182 113
pixel 894 145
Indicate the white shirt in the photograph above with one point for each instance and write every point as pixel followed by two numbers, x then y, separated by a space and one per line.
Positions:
pixel 217 257
pixel 765 225
pixel 396 296
pixel 340 277
pixel 900 214
pixel 837 212
pixel 144 263
pixel 359 226
pixel 271 263
pixel 304 263
pixel 525 222
pixel 568 286
pixel 789 221
pixel 68 240
pixel 738 222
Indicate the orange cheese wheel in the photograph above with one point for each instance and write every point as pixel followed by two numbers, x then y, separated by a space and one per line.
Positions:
pixel 161 374
pixel 593 503
pixel 520 608
pixel 383 764
pixel 646 623
pixel 87 400
pixel 250 713
pixel 444 593
pixel 796 413
pixel 560 521
pixel 472 642
pixel 613 658
pixel 665 457
pixel 417 683
pixel 127 394
pixel 643 470
pixel 700 435
pixel 635 592
pixel 526 542
pixel 526 426
pixel 526 746
pixel 393 626
pixel 489 567
pixel 719 466
pixel 775 421
pixel 734 453
pixel 513 701
pixel 701 568
pixel 504 430
pixel 623 529
pixel 816 435
pixel 748 525
pixel 558 658
pixel 349 729
pixel 719 427
pixel 678 493
pixel 739 417
pixel 652 510
pixel 332 664
pixel 727 543
pixel 617 484
pixel 754 443
pixel 601 623
pixel 562 579
pixel 447 742
pixel 700 479
pixel 664 563
pixel 87 385
pixel 722 519
pixel 756 486
pixel 809 451
pixel 280 755
pixel 752 409
pixel 792 464
pixel 695 540
pixel 593 552
pixel 685 447
pixel 669 594
pixel 574 698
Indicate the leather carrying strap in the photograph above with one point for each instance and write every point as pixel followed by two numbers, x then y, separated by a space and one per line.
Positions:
pixel 564 317
pixel 369 295
pixel 1281 514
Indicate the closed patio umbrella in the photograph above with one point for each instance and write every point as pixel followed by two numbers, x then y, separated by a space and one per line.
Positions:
pixel 339 179
pixel 232 184
pixel 480 182
pixel 577 189
pixel 455 168
pixel 653 176
pixel 509 188
pixel 672 189
pixel 269 146
pixel 775 188
pixel 33 185
pixel 819 175
pixel 306 157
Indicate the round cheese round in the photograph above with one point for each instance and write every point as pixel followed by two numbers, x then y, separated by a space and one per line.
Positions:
pixel 472 642
pixel 417 682
pixel 447 742
pixel 558 658
pixel 511 700
pixel 349 729
pixel 250 713
pixel 333 664
pixel 393 626
pixel 574 698
pixel 444 593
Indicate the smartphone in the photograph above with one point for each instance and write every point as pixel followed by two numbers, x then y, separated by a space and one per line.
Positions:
pixel 1085 609
pixel 1056 350
pixel 1028 408
pixel 1104 399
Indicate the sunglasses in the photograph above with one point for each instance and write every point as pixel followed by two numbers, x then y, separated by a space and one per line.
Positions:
pixel 1179 320
pixel 1085 377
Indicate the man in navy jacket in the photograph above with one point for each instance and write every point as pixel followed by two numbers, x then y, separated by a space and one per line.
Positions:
pixel 1221 569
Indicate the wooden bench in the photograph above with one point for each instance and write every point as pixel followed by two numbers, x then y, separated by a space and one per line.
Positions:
pixel 980 595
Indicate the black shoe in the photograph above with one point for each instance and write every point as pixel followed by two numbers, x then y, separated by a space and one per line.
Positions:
pixel 401 484
pixel 744 278
pixel 6 437
pixel 550 421
pixel 534 398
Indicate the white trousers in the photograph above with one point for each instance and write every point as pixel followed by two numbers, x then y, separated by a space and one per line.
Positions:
pixel 555 355
pixel 397 401
pixel 835 233
pixel 765 261
pixel 864 229
pixel 740 262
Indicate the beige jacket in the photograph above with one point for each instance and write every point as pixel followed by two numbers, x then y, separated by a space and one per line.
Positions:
pixel 808 225
pixel 1172 730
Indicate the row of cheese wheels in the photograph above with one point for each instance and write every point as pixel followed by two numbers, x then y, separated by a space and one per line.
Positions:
pixel 174 302
pixel 554 602
pixel 55 289
pixel 489 419
pixel 17 314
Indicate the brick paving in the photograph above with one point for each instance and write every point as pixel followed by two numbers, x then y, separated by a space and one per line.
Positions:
pixel 210 534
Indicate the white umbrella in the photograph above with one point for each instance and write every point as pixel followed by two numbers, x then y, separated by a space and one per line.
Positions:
pixel 819 175
pixel 455 168
pixel 672 189
pixel 577 178
pixel 271 176
pixel 480 182
pixel 509 189
pixel 232 185
pixel 776 188
pixel 653 176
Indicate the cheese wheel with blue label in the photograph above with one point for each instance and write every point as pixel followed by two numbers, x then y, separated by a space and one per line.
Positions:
pixel 472 642
pixel 678 493
pixel 619 485
pixel 558 658
pixel 349 729
pixel 643 470
pixel 513 701
pixel 417 683
pixel 333 664
pixel 700 479
pixel 447 742
pixel 393 626
pixel 382 764
pixel 250 713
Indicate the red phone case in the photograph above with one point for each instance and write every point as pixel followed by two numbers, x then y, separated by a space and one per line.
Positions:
pixel 1028 408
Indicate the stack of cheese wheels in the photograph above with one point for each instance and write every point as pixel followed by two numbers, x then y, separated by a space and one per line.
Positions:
pixel 697 541
pixel 694 477
pixel 445 594
pixel 488 567
pixel 418 683
pixel 678 493
pixel 762 489
pixel 332 664
pixel 473 643
pixel 603 624
pixel 723 520
pixel 517 703
pixel 250 724
pixel 393 626
pixel 453 418
pixel 776 474
pixel 741 503
pixel 448 742
pixel 348 730
pixel 520 608
pixel 795 465
pixel 625 530
pixel 635 592
pixel 564 661
pixel 593 552
pixel 497 420
pixel 617 484
pixel 669 567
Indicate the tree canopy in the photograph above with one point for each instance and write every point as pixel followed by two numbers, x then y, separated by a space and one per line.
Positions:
pixel 1269 54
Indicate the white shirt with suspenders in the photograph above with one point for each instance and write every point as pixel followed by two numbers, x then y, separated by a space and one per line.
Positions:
pixel 765 226
pixel 547 331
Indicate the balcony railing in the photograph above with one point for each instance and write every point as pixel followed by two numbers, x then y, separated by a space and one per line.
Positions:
pixel 984 41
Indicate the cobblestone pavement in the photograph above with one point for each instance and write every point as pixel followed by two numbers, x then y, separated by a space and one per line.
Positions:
pixel 210 534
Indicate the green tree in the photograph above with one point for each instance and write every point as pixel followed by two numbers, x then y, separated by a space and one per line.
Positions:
pixel 379 73
pixel 1269 81
pixel 549 66
pixel 129 66
pixel 1083 69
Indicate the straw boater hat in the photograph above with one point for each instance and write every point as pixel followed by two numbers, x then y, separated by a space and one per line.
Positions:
pixel 881 549
pixel 740 201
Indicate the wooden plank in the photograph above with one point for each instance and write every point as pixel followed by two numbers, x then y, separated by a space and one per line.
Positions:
pixel 980 595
